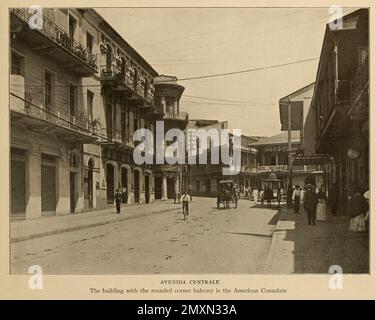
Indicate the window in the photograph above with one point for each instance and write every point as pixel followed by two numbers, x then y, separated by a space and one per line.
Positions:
pixel 89 42
pixel 18 63
pixel 48 90
pixel 90 102
pixel 72 26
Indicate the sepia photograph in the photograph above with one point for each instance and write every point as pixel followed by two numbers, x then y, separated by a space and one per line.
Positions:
pixel 189 140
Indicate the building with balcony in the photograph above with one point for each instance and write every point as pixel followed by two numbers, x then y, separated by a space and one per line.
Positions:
pixel 204 178
pixel 170 179
pixel 273 158
pixel 301 119
pixel 48 116
pixel 341 104
pixel 78 92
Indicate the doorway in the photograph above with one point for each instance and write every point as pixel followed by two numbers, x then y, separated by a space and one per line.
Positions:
pixel 136 186
pixel 18 182
pixel 73 193
pixel 147 187
pixel 110 183
pixel 158 182
pixel 90 184
pixel 170 188
pixel 48 184
pixel 124 183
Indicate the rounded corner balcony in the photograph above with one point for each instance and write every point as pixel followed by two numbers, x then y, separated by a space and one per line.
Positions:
pixel 121 78
pixel 168 86
pixel 53 42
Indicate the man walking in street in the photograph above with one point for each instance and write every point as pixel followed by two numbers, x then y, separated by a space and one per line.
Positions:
pixel 310 203
pixel 296 197
pixel 118 200
pixel 185 199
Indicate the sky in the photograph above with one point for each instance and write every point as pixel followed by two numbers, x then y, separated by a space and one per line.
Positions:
pixel 193 42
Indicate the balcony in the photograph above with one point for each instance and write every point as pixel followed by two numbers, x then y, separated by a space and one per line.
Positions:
pixel 53 42
pixel 115 137
pixel 273 168
pixel 118 80
pixel 52 120
pixel 181 116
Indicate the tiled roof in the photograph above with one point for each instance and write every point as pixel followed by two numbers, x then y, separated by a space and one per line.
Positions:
pixel 281 138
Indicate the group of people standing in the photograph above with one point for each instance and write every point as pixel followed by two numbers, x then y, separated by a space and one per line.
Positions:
pixel 315 205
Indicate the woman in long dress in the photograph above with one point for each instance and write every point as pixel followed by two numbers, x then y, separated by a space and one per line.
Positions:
pixel 359 208
pixel 321 211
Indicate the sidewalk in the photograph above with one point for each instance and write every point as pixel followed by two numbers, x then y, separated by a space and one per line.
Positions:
pixel 21 230
pixel 297 247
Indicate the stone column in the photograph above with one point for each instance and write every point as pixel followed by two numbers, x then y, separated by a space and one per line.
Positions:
pixel 33 183
pixel 63 192
pixel 164 189
pixel 164 103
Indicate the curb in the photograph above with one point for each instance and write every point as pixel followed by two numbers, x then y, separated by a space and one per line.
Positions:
pixel 275 238
pixel 86 226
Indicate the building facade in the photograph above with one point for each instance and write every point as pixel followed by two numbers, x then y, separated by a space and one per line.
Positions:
pixel 170 179
pixel 341 104
pixel 78 92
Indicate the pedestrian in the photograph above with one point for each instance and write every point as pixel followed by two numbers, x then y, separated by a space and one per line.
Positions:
pixel 261 195
pixel 175 196
pixel 296 197
pixel 118 200
pixel 190 192
pixel 359 208
pixel 255 195
pixel 236 196
pixel 321 211
pixel 279 195
pixel 367 216
pixel 185 199
pixel 124 195
pixel 310 203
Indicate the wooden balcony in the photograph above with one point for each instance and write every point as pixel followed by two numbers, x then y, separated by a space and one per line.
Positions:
pixel 52 42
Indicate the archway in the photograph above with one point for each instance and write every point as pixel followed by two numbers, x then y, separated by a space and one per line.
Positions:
pixel 90 183
pixel 171 187
pixel 158 187
pixel 136 186
pixel 110 183
pixel 125 179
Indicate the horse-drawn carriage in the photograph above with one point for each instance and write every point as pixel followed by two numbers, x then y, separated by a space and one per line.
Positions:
pixel 227 193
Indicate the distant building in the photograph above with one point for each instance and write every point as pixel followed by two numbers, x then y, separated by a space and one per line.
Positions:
pixel 273 158
pixel 303 152
pixel 204 178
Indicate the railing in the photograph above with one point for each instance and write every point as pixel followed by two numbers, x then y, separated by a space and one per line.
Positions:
pixel 183 116
pixel 59 36
pixel 117 136
pixel 54 115
pixel 127 78
pixel 248 169
pixel 273 168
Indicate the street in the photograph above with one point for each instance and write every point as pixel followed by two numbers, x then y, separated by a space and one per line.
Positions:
pixel 231 241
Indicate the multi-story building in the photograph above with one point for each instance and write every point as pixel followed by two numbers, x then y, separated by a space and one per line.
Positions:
pixel 273 158
pixel 79 91
pixel 204 178
pixel 48 113
pixel 303 154
pixel 170 179
pixel 341 103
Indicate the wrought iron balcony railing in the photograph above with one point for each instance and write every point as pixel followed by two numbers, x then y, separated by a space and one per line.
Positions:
pixel 58 36
pixel 53 114
pixel 182 116
pixel 117 136
pixel 127 79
